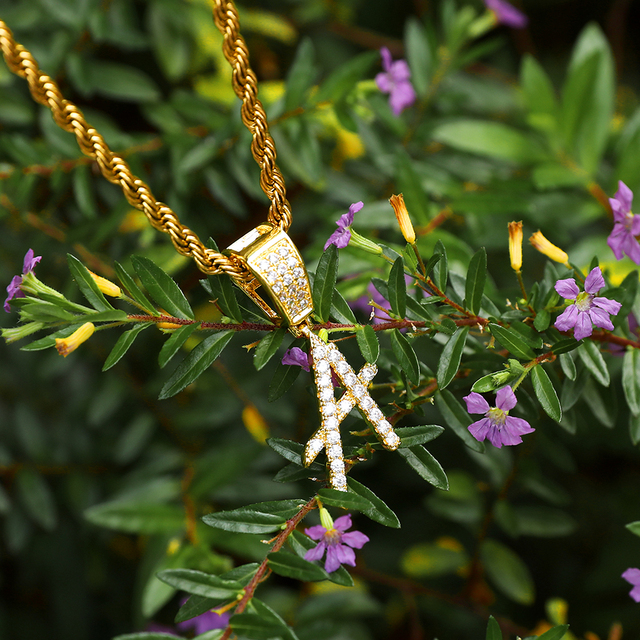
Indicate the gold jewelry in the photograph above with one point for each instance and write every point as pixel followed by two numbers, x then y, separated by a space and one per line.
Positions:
pixel 265 257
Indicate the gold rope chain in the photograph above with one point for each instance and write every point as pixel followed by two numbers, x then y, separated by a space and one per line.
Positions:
pixel 67 116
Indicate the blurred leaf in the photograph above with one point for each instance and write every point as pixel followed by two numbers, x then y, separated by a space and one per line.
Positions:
pixel 568 366
pixel 87 284
pixel 122 345
pixel 457 418
pixel 368 343
pixel 133 289
pixel 175 341
pixel 512 341
pixel 283 377
pixel 405 356
pixel 557 633
pixel 301 75
pixel 146 635
pixel 263 624
pixel 433 559
pixel 591 356
pixel 196 363
pixel 200 583
pixel 37 498
pixel 324 282
pixel 449 362
pixel 350 501
pixel 410 185
pixel 634 527
pixel 267 348
pixel 83 191
pixel 162 288
pixel 546 393
pixel 631 379
pixel 341 310
pixel 122 82
pixel 137 517
pixel 507 572
pixel 634 428
pixel 397 289
pixel 263 517
pixel 345 77
pixel 419 55
pixel 543 522
pixel 427 467
pixel 170 40
pixel 440 267
pixel 476 278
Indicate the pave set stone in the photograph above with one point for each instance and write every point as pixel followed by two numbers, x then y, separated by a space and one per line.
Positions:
pixel 332 412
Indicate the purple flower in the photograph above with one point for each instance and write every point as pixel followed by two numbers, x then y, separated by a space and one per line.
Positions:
pixel 297 357
pixel 626 225
pixel 339 543
pixel 14 290
pixel 632 576
pixel 507 14
pixel 394 80
pixel 342 235
pixel 205 622
pixel 497 425
pixel 586 308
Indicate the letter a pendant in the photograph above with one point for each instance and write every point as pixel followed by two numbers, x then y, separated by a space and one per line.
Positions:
pixel 276 265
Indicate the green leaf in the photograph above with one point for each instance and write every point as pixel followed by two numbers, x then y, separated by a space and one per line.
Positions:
pixel 83 192
pixel 137 517
pixel 634 527
pixel 543 522
pixel 288 449
pixel 412 436
pixel 634 428
pixel 458 419
pixel 344 499
pixel 631 379
pixel 345 77
pixel 493 630
pixel 419 55
pixel 512 341
pixel 292 566
pixel 591 356
pixel 410 184
pixel 162 288
pixel 324 282
pixel 175 341
pixel 539 95
pixel 225 294
pixel 568 366
pixel 397 289
pixel 341 310
pixel 378 509
pixel 406 356
pixel 368 343
pixel 87 284
pixel 37 498
pixel 122 82
pixel 427 467
pixel 200 583
pixel 565 346
pixel 133 289
pixel 263 624
pixel 263 517
pixel 267 348
pixel 196 363
pixel 546 393
pixel 449 362
pixel 490 139
pixel 476 279
pixel 301 75
pixel 283 377
pixel 557 633
pixel 507 572
pixel 122 345
pixel 441 267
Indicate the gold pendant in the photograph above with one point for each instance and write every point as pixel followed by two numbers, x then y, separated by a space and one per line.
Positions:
pixel 274 260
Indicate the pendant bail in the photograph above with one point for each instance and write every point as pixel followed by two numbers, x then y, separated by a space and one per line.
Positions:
pixel 274 260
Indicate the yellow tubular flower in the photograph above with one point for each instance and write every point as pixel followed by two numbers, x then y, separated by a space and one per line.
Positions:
pixel 106 286
pixel 66 345
pixel 397 202
pixel 515 245
pixel 539 242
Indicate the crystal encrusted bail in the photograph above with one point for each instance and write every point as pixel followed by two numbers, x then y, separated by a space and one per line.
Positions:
pixel 274 260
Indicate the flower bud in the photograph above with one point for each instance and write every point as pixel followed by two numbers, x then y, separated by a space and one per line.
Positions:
pixel 515 245
pixel 400 209
pixel 21 331
pixel 66 345
pixel 364 243
pixel 539 242
pixel 106 286
pixel 325 519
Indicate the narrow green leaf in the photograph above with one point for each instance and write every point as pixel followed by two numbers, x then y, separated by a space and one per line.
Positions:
pixel 175 341
pixel 634 428
pixel 301 75
pixel 568 366
pixel 493 630
pixel 427 467
pixel 591 356
pixel 565 346
pixel 419 55
pixel 507 572
pixel 37 498
pixel 87 284
pixel 406 356
pixel 341 310
pixel 557 633
pixel 378 511
pixel 268 614
pixel 457 418
pixel 631 380
pixel 288 449
pixel 283 377
pixel 476 279
pixel 225 294
pixel 546 393
pixel 133 289
pixel 255 627
pixel 345 77
pixel 292 566
pixel 344 500
pixel 123 82
pixel 512 342
pixel 83 192
pixel 441 267
pixel 368 343
pixel 449 362
pixel 122 345
pixel 412 436
pixel 196 363
pixel 634 527
pixel 162 288
pixel 137 517
pixel 263 517
pixel 324 282
pixel 267 348
pixel 200 583
pixel 397 289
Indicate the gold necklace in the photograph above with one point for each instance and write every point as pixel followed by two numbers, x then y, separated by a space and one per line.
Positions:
pixel 265 260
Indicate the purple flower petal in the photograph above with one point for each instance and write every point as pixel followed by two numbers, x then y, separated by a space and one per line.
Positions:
pixel 567 319
pixel 354 208
pixel 14 291
pixel 583 327
pixel 518 426
pixel 316 553
pixel 345 555
pixel 568 288
pixel 624 196
pixel 355 539
pixel 480 429
pixel 395 80
pixel 385 54
pixel 594 281
pixel 384 82
pixel 30 262
pixel 495 437
pixel 507 14
pixel 632 576
pixel 296 357
pixel 616 239
pixel 401 97
pixel 342 523
pixel 506 399
pixel 316 533
pixel 630 245
pixel 332 563
pixel 476 403
pixel 340 237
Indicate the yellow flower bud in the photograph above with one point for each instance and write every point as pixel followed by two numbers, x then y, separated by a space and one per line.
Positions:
pixel 66 345
pixel 255 423
pixel 397 202
pixel 515 245
pixel 549 249
pixel 106 286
